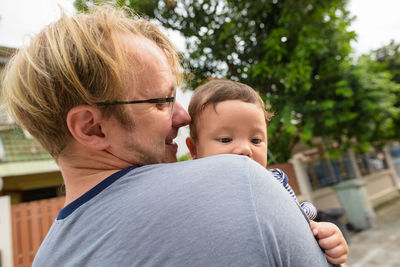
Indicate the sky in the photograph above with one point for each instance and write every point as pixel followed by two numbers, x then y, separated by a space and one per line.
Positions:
pixel 23 18
pixel 376 23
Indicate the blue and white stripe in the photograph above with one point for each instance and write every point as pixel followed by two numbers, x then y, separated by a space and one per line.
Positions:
pixel 308 208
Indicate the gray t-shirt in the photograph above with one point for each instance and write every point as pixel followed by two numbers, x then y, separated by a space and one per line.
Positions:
pixel 224 210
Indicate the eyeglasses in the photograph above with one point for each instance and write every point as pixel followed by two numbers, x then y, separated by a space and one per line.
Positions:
pixel 167 102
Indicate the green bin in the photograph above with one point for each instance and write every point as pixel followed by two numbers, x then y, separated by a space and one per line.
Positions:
pixel 353 197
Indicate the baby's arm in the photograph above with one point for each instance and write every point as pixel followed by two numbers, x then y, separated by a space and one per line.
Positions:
pixel 307 207
pixel 279 175
pixel 331 239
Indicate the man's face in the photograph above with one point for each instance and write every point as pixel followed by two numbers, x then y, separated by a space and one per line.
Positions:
pixel 150 140
pixel 233 127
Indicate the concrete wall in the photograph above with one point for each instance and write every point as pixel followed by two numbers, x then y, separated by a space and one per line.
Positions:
pixel 5 232
pixel 380 186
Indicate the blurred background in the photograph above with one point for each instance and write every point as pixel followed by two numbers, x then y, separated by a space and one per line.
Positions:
pixel 329 70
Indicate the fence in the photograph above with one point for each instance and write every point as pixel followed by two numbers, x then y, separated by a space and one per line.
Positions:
pixel 395 154
pixel 30 223
pixel 325 172
pixel 376 168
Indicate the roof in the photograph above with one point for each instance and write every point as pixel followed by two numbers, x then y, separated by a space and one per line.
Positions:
pixel 15 146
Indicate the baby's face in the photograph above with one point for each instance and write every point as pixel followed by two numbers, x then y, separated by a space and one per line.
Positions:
pixel 233 127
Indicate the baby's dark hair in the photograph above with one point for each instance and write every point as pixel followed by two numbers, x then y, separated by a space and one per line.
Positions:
pixel 219 90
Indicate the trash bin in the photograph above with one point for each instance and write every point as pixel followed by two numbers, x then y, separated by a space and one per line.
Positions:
pixel 355 202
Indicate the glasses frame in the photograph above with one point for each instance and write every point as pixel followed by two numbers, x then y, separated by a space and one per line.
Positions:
pixel 151 101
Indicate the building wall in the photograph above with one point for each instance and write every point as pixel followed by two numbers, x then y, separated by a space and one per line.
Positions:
pixel 380 186
pixel 5 233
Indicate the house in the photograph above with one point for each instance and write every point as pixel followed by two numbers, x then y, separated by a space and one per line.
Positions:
pixel 27 171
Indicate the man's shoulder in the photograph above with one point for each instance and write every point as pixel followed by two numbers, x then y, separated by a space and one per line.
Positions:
pixel 223 161
pixel 226 164
pixel 231 170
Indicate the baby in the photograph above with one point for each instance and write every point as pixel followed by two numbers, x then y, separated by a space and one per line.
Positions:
pixel 230 118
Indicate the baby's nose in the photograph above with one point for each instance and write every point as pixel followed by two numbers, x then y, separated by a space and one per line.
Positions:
pixel 242 149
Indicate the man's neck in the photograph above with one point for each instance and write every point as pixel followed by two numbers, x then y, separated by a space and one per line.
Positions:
pixel 85 169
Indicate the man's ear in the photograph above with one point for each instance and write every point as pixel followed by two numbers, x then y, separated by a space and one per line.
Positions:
pixel 192 147
pixel 85 125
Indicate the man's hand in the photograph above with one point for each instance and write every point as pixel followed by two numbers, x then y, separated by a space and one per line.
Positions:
pixel 331 239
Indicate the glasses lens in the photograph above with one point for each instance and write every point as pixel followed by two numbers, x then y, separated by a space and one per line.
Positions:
pixel 172 105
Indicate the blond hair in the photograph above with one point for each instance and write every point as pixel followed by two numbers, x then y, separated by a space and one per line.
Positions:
pixel 76 60
pixel 219 90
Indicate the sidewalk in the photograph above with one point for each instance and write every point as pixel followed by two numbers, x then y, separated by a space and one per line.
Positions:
pixel 380 245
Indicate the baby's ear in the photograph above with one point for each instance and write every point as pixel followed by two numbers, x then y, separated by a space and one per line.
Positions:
pixel 192 147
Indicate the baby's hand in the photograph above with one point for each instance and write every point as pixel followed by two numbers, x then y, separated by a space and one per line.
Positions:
pixel 331 239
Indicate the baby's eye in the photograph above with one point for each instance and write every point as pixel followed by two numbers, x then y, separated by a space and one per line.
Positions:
pixel 256 141
pixel 225 140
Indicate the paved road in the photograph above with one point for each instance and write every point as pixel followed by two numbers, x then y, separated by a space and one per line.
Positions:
pixel 380 245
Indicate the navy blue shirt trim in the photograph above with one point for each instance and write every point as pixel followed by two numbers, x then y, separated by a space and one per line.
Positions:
pixel 92 193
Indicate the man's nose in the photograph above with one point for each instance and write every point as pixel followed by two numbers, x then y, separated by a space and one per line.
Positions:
pixel 179 116
pixel 242 148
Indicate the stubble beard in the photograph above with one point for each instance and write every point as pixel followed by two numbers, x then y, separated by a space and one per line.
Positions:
pixel 146 156
pixel 143 156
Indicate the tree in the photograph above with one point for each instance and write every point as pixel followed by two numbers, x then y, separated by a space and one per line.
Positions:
pixel 294 52
pixel 371 95
pixel 389 58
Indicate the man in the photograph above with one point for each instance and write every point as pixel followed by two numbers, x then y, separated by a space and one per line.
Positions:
pixel 98 92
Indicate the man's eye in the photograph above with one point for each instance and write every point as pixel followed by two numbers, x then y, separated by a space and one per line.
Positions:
pixel 225 140
pixel 162 106
pixel 256 141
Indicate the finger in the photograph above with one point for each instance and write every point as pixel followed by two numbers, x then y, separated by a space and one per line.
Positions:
pixel 314 228
pixel 329 242
pixel 327 229
pixel 340 260
pixel 337 251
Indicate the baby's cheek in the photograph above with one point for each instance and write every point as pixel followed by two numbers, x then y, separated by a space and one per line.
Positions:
pixel 209 149
pixel 261 158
